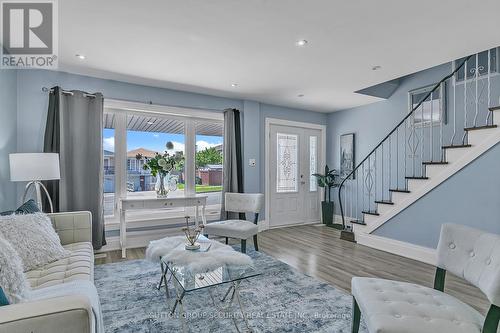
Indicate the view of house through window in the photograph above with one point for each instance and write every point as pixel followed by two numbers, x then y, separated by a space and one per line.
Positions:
pixel 209 165
pixel 146 135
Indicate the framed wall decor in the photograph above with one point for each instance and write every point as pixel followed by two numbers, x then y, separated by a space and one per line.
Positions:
pixel 347 154
pixel 432 111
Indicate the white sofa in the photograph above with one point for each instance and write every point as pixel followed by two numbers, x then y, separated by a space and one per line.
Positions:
pixel 71 314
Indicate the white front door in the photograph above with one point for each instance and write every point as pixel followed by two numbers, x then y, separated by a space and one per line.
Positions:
pixel 294 155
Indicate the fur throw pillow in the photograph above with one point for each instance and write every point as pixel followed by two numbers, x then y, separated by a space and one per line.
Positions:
pixel 33 238
pixel 12 279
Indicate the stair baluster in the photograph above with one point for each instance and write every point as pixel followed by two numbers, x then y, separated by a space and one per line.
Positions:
pixel 464 138
pixel 476 77
pixel 373 177
pixel 489 118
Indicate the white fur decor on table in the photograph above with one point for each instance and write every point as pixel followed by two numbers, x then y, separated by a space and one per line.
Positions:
pixel 172 250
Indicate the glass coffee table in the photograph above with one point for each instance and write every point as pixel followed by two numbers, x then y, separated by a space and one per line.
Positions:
pixel 184 281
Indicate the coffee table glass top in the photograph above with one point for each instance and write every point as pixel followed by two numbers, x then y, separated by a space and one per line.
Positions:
pixel 191 281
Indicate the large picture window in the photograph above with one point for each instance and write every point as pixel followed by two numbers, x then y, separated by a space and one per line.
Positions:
pixel 130 137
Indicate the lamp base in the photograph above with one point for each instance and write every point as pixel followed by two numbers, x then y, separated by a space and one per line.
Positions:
pixel 38 190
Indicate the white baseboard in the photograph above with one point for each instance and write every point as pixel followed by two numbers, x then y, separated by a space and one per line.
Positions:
pixel 112 244
pixel 403 249
pixel 263 225
pixel 294 224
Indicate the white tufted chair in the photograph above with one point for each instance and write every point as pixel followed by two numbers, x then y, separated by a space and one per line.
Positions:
pixel 395 307
pixel 240 229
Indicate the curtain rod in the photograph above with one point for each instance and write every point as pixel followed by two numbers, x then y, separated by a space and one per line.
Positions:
pixel 66 92
pixel 45 89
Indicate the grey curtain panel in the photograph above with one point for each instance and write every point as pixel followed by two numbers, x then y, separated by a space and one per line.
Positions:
pixel 232 158
pixel 74 130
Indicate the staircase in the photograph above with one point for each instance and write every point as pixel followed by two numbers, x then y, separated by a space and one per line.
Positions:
pixel 436 139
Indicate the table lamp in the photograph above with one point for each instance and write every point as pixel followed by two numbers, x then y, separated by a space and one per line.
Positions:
pixel 35 167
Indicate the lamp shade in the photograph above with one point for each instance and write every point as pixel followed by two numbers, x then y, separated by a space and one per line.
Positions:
pixel 34 166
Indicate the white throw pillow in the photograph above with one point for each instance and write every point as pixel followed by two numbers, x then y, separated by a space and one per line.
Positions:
pixel 34 238
pixel 12 278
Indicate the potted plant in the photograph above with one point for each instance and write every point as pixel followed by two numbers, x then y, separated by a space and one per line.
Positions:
pixel 160 166
pixel 328 180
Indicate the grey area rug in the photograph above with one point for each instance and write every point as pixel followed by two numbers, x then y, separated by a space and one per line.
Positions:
pixel 280 300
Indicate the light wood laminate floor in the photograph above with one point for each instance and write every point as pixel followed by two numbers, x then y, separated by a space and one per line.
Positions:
pixel 317 251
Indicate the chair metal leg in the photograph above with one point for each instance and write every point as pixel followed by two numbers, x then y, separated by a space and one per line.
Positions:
pixel 492 319
pixel 255 244
pixel 243 246
pixel 356 316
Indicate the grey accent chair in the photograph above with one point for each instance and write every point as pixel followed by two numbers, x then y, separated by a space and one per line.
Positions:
pixel 393 307
pixel 240 229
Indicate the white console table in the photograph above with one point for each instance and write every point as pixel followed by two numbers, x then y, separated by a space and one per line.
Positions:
pixel 127 204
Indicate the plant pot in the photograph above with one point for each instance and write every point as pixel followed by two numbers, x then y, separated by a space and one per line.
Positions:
pixel 327 212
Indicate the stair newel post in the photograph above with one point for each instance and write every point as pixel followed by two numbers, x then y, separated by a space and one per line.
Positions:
pixel 476 78
pixel 345 195
pixel 489 114
pixel 369 186
pixel 465 102
pixel 363 185
pixel 353 210
pixel 350 198
pixel 356 175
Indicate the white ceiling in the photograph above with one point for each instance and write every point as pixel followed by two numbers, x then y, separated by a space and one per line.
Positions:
pixel 205 46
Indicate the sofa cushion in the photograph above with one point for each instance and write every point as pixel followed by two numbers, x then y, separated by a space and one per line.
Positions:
pixel 79 265
pixel 3 298
pixel 74 288
pixel 394 307
pixel 29 207
pixel 12 279
pixel 34 239
pixel 232 228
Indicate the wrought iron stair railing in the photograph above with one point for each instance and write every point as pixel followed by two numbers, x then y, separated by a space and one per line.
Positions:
pixel 420 139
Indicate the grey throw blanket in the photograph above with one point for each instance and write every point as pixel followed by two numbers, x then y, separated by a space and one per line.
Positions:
pixel 78 287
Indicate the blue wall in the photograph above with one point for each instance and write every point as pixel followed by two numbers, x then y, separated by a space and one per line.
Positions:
pixel 474 203
pixel 32 110
pixel 8 127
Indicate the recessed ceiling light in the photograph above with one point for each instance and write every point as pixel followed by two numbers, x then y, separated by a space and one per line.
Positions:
pixel 234 85
pixel 376 68
pixel 80 56
pixel 301 42
pixel 300 95
pixel 150 122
